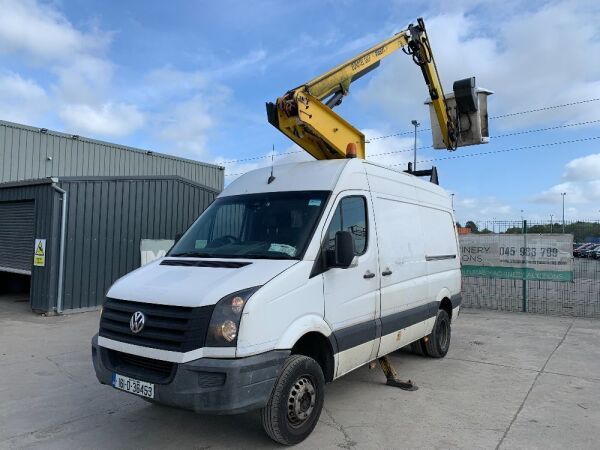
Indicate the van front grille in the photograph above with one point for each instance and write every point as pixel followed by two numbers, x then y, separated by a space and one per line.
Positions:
pixel 146 369
pixel 174 328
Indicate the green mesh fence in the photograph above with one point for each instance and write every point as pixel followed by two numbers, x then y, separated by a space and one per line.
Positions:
pixel 581 297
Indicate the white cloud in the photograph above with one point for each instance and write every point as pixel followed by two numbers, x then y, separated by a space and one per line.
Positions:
pixel 525 58
pixel 21 99
pixel 110 119
pixel 182 106
pixel 168 82
pixel 395 151
pixel 486 208
pixel 43 33
pixel 42 36
pixel 578 192
pixel 585 168
pixel 186 125
pixel 85 80
pixel 581 183
pixel 186 107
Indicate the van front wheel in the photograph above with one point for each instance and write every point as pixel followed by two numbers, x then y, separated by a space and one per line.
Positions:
pixel 439 340
pixel 296 401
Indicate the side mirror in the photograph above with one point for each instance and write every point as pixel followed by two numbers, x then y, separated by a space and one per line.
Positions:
pixel 344 249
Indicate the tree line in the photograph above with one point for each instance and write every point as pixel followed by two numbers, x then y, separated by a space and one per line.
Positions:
pixel 581 230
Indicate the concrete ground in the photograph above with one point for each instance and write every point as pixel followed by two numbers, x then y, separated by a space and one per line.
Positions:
pixel 509 381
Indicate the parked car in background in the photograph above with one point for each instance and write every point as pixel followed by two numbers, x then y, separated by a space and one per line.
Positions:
pixel 596 253
pixel 589 252
pixel 578 252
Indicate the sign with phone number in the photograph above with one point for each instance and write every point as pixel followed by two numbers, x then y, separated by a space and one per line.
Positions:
pixel 518 256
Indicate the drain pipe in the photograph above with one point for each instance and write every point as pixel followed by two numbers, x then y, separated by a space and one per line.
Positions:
pixel 61 260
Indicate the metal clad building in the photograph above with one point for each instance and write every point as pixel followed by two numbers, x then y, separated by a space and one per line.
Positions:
pixel 28 153
pixel 106 219
pixel 17 246
pixel 115 197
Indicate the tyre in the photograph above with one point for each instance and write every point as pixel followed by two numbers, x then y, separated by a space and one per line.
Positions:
pixel 296 401
pixel 438 341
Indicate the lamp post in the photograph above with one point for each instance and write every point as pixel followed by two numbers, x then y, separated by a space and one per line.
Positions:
pixel 551 223
pixel 563 211
pixel 416 124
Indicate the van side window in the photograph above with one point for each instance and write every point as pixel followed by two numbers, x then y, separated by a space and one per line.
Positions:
pixel 350 215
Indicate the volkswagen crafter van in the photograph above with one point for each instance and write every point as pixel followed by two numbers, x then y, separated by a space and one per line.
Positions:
pixel 282 285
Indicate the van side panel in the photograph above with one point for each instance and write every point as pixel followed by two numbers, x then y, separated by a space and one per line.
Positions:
pixel 404 292
pixel 417 244
pixel 277 308
pixel 441 254
pixel 401 251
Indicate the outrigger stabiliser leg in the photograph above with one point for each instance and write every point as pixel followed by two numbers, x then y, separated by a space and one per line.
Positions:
pixel 392 376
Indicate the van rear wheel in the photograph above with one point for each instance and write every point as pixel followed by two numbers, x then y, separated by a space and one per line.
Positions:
pixel 296 401
pixel 438 341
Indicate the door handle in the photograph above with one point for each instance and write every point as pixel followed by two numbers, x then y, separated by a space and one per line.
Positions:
pixel 386 272
pixel 368 274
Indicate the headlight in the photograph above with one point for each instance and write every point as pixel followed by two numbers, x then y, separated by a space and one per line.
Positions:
pixel 225 319
pixel 229 330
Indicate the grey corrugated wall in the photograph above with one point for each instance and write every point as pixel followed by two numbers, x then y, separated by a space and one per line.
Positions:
pixel 106 220
pixel 47 226
pixel 24 153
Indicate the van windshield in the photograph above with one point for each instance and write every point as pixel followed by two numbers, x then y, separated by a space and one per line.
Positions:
pixel 275 225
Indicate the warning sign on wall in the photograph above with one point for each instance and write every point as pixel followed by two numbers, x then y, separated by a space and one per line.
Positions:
pixel 39 254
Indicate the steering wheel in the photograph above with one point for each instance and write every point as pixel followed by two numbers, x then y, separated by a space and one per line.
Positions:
pixel 230 238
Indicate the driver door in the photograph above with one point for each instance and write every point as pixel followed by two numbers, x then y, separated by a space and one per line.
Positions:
pixel 352 294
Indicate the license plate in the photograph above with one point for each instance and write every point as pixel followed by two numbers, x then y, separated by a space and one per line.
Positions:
pixel 132 385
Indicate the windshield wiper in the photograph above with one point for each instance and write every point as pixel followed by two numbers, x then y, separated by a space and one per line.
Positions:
pixel 194 254
pixel 268 256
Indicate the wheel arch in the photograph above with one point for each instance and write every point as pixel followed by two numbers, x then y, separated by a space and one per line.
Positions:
pixel 309 336
pixel 444 302
pixel 446 305
pixel 319 347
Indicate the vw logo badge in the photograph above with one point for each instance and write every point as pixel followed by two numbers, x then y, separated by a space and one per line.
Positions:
pixel 137 322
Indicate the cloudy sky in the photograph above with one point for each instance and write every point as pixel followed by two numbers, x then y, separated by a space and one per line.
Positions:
pixel 191 78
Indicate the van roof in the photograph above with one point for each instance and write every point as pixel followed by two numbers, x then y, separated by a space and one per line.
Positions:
pixel 313 176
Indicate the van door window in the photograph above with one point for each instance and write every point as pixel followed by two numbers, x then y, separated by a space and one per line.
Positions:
pixel 350 215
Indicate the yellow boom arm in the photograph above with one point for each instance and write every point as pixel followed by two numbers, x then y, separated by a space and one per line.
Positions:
pixel 305 114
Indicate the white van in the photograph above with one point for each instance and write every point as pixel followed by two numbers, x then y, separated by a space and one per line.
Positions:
pixel 284 283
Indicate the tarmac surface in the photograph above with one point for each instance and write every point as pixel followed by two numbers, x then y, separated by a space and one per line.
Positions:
pixel 510 380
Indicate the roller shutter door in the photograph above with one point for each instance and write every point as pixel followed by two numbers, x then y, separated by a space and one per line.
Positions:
pixel 16 236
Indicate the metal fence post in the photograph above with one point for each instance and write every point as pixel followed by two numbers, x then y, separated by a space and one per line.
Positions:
pixel 525 269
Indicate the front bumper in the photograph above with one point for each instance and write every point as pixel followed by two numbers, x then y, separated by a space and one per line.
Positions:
pixel 208 385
